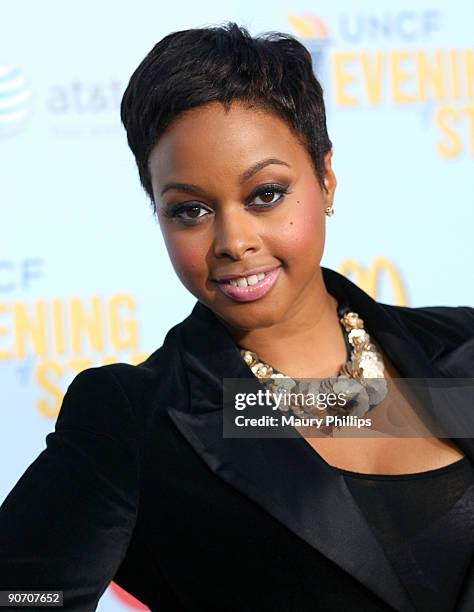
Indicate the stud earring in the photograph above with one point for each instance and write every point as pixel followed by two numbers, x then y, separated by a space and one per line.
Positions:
pixel 329 211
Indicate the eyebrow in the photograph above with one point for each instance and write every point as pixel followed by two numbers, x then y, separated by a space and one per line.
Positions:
pixel 254 168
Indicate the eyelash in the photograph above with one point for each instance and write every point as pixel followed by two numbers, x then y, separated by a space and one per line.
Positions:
pixel 176 211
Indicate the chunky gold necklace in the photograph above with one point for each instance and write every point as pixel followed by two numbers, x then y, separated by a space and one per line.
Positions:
pixel 361 378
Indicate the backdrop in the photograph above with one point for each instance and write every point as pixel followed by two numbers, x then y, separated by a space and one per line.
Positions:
pixel 84 275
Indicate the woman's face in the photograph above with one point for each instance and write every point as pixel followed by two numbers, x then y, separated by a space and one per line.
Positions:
pixel 236 192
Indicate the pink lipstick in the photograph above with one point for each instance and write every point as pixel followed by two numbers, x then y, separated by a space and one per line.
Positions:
pixel 250 292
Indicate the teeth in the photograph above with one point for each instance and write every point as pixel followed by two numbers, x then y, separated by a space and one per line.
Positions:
pixel 244 281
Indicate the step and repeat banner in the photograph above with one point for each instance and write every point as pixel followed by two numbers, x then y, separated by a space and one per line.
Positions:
pixel 84 275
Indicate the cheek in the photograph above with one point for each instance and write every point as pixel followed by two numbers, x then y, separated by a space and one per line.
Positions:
pixel 187 256
pixel 303 236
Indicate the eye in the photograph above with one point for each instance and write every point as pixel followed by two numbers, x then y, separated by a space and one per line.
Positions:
pixel 190 209
pixel 191 213
pixel 269 195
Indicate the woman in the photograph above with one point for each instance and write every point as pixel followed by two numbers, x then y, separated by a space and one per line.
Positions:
pixel 139 485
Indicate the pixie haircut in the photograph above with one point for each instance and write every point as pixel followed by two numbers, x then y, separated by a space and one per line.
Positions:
pixel 189 68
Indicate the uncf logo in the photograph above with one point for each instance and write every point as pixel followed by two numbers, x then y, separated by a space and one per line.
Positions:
pixel 369 278
pixel 317 39
pixel 308 26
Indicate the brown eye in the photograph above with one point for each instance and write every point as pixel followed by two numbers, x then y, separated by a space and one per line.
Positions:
pixel 269 195
pixel 188 213
pixel 193 211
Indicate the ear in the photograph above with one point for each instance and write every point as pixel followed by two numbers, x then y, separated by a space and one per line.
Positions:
pixel 330 181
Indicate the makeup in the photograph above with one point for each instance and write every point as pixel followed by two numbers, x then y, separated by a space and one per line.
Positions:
pixel 253 291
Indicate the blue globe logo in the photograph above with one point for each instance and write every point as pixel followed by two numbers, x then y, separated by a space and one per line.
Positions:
pixel 16 100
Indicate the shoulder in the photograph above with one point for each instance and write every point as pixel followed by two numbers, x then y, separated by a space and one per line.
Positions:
pixel 113 399
pixel 453 319
pixel 446 333
pixel 452 322
pixel 436 328
pixel 120 397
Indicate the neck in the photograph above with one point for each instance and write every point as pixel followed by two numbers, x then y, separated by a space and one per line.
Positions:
pixel 308 343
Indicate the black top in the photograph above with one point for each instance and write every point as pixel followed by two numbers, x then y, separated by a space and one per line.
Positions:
pixel 425 524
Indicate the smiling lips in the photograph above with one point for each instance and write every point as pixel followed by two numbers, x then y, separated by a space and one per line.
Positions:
pixel 248 288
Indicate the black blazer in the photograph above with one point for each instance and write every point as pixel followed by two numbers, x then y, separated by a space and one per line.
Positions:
pixel 138 485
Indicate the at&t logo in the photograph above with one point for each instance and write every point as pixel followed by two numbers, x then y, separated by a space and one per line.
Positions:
pixel 16 100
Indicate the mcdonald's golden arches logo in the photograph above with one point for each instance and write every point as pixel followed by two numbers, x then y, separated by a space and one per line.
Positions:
pixel 368 278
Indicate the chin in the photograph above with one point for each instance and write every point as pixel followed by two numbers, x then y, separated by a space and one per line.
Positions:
pixel 248 315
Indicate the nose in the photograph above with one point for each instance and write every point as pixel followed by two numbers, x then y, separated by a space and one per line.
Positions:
pixel 235 234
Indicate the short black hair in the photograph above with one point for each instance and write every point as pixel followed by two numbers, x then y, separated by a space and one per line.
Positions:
pixel 224 63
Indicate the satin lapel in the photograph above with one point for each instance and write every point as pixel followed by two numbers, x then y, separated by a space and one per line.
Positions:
pixel 280 476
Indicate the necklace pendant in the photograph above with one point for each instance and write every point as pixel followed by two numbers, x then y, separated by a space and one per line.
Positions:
pixel 351 320
pixel 361 377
